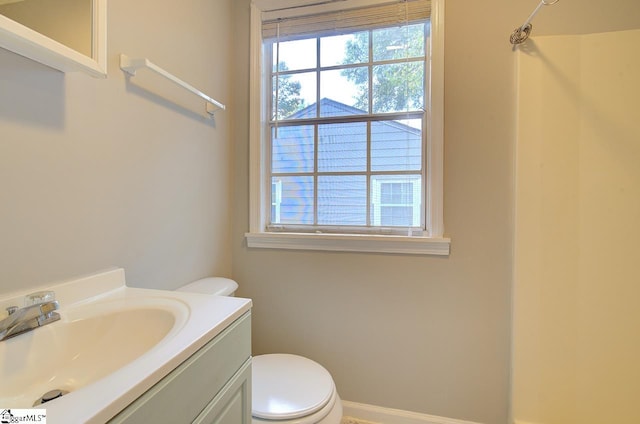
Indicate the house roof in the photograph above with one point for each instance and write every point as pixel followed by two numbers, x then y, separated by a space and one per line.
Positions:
pixel 334 108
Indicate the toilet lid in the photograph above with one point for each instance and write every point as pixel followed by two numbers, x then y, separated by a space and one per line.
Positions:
pixel 288 386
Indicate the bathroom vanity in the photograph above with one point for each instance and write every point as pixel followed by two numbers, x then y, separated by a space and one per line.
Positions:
pixel 212 386
pixel 127 355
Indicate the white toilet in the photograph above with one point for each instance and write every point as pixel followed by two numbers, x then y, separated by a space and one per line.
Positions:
pixel 286 389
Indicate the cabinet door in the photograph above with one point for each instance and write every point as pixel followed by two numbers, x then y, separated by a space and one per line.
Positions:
pixel 232 405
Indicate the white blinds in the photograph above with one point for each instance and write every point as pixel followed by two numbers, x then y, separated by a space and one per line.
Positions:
pixel 335 22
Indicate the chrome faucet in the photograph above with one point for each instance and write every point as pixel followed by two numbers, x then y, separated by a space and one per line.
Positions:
pixel 21 320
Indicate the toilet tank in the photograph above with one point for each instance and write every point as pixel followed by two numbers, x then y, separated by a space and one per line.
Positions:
pixel 211 285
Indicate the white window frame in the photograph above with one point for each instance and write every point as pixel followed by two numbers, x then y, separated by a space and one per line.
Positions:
pixel 431 242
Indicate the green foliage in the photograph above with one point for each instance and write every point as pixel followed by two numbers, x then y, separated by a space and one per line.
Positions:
pixel 397 74
pixel 289 100
pixel 395 86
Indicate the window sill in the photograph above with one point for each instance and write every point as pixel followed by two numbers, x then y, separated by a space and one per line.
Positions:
pixel 351 243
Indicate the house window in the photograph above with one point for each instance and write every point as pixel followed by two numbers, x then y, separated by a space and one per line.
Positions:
pixel 276 199
pixel 396 201
pixel 346 139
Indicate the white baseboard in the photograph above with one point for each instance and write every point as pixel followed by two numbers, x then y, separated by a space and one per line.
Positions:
pixel 377 414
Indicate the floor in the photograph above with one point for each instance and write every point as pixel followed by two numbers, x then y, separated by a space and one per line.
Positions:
pixel 351 420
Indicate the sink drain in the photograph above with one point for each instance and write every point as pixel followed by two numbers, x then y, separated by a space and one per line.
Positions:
pixel 50 395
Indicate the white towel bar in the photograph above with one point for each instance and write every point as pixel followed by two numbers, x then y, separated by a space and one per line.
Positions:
pixel 130 66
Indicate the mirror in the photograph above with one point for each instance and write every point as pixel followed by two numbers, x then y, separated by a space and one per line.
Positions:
pixel 68 35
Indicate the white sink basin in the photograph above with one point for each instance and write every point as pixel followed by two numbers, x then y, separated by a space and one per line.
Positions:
pixel 88 343
pixel 112 344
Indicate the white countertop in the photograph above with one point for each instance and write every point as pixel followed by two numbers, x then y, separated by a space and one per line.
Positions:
pixel 202 318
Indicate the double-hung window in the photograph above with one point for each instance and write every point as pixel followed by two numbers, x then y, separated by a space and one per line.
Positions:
pixel 346 126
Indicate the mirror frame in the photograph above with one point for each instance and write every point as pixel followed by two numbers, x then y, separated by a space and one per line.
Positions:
pixel 26 42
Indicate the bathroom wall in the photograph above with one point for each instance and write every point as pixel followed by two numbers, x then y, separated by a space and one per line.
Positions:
pixel 576 316
pixel 419 333
pixel 101 173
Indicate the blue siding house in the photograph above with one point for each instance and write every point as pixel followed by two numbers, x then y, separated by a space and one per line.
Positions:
pixel 345 162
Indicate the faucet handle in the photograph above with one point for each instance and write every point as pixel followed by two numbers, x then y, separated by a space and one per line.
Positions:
pixel 39 297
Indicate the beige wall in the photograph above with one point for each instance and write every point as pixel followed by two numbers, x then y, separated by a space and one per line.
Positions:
pixel 100 173
pixel 575 338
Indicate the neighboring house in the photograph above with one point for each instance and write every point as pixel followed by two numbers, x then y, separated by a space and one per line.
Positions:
pixel 395 174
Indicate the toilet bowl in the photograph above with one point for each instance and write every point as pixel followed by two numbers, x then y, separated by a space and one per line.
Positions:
pixel 285 388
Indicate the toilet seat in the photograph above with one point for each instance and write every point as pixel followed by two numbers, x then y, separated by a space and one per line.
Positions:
pixel 289 387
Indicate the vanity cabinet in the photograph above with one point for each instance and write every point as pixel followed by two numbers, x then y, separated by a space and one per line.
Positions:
pixel 212 386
